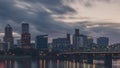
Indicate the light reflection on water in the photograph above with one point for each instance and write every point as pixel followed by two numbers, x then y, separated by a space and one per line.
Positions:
pixel 42 63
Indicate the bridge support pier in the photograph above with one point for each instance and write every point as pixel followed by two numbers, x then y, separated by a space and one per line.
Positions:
pixel 108 60
pixel 90 58
pixel 81 59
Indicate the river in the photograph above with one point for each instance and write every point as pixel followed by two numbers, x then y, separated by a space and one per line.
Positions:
pixel 43 63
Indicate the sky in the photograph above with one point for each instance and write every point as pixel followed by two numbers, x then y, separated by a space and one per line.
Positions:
pixel 95 18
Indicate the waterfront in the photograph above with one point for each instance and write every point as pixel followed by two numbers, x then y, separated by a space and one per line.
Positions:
pixel 43 63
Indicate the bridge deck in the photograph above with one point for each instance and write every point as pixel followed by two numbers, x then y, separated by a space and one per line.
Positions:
pixel 89 53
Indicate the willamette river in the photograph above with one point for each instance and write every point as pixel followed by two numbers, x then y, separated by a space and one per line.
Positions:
pixel 42 63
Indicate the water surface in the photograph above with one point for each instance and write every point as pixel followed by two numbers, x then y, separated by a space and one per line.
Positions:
pixel 43 63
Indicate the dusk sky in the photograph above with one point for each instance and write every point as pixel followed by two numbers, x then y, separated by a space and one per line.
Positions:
pixel 57 17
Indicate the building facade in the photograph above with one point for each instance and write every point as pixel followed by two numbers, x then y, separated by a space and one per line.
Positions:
pixel 79 40
pixel 18 43
pixel 69 38
pixel 103 41
pixel 90 41
pixel 42 42
pixel 61 43
pixel 25 36
pixel 8 37
pixel 76 38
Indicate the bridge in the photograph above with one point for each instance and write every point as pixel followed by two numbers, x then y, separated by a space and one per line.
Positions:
pixel 89 56
pixel 70 53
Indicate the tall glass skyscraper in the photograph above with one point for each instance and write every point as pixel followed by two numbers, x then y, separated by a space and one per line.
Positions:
pixel 79 40
pixel 8 37
pixel 25 28
pixel 25 36
pixel 76 38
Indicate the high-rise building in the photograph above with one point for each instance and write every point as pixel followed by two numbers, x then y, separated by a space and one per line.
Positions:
pixel 2 45
pixel 77 32
pixel 90 41
pixel 76 38
pixel 83 40
pixel 103 41
pixel 79 40
pixel 8 37
pixel 25 36
pixel 25 28
pixel 42 42
pixel 69 38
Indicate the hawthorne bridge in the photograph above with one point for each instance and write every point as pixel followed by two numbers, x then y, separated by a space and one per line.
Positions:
pixel 72 53
pixel 90 56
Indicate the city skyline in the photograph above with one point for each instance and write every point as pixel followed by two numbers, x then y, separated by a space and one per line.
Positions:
pixel 74 41
pixel 78 39
pixel 60 33
pixel 56 18
pixel 26 35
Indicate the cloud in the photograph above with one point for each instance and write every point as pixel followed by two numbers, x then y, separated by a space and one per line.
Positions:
pixel 88 3
pixel 95 10
pixel 37 13
pixel 58 17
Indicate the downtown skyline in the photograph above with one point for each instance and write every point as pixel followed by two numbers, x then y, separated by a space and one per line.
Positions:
pixel 58 17
pixel 25 41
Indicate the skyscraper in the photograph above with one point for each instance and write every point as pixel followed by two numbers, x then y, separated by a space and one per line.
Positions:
pixel 42 42
pixel 69 38
pixel 76 38
pixel 8 37
pixel 25 28
pixel 77 32
pixel 79 40
pixel 25 36
pixel 90 41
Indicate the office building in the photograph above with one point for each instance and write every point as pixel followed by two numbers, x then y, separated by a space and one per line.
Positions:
pixel 2 46
pixel 25 36
pixel 8 36
pixel 18 43
pixel 61 43
pixel 42 42
pixel 90 41
pixel 32 45
pixel 69 38
pixel 76 38
pixel 79 40
pixel 103 41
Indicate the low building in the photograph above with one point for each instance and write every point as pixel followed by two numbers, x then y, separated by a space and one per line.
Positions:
pixel 60 44
pixel 103 41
